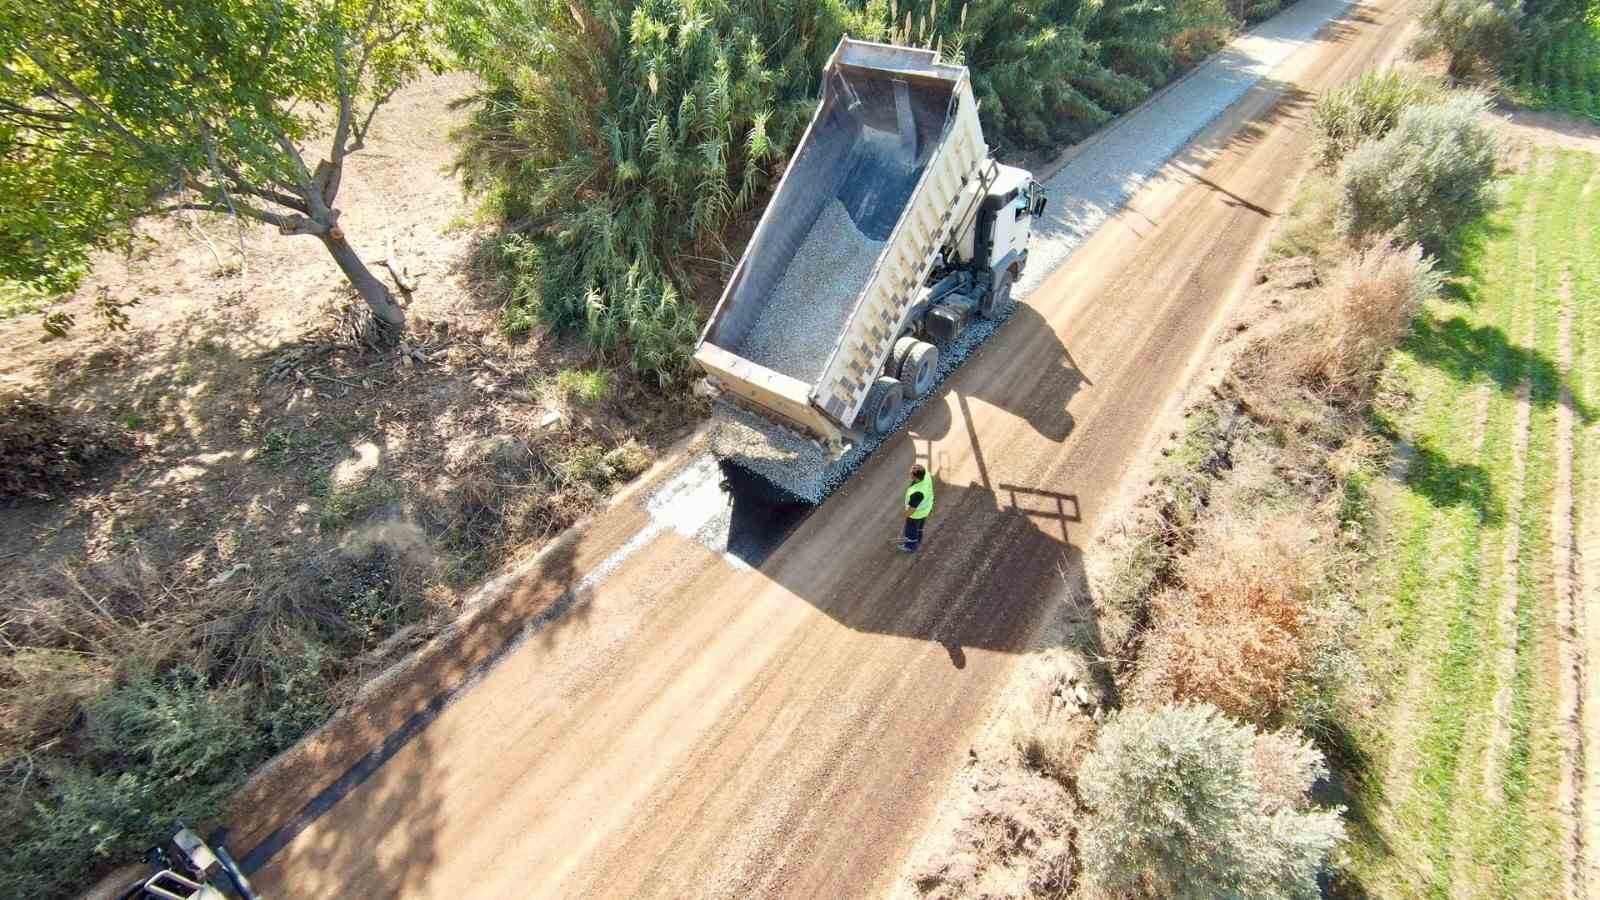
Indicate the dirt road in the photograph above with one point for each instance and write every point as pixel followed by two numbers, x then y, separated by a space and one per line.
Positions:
pixel 690 725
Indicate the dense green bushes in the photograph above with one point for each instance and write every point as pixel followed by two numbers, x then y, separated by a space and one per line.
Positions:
pixel 1425 178
pixel 163 747
pixel 1475 36
pixel 624 142
pixel 1560 67
pixel 1191 804
pixel 1047 72
pixel 1545 47
pixel 621 139
pixel 1414 161
pixel 1367 108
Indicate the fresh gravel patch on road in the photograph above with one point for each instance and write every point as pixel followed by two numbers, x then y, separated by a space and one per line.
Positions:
pixel 1115 163
pixel 808 309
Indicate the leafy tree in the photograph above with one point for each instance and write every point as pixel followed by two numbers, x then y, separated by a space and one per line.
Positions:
pixel 1190 804
pixel 1424 179
pixel 1047 72
pixel 110 109
pixel 1475 36
pixel 622 138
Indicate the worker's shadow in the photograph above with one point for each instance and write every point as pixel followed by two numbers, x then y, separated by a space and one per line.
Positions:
pixel 992 565
pixel 994 555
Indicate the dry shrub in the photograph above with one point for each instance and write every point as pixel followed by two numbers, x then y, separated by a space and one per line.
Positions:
pixel 41 691
pixel 44 450
pixel 1053 730
pixel 107 609
pixel 1056 747
pixel 1236 629
pixel 1018 842
pixel 1369 307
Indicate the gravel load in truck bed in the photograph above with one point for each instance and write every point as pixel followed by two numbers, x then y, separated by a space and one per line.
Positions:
pixel 806 312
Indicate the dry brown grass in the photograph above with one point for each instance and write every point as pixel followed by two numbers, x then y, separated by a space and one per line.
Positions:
pixel 1237 627
pixel 1366 311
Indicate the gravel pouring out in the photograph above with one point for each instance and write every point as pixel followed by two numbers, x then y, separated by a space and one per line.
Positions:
pixel 807 310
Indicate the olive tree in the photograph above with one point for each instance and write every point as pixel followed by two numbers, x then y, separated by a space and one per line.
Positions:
pixel 111 109
pixel 1190 804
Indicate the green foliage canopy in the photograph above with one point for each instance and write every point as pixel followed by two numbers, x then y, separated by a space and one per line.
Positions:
pixel 624 142
pixel 1048 72
pixel 1190 804
pixel 1475 36
pixel 1425 178
pixel 110 108
pixel 623 138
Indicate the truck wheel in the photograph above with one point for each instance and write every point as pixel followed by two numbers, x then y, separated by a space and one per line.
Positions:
pixel 897 359
pixel 997 302
pixel 881 412
pixel 919 369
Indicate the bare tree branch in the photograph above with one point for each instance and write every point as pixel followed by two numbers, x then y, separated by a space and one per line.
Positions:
pixel 307 188
pixel 372 111
pixel 272 196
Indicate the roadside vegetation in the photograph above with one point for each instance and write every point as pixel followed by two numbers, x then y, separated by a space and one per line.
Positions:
pixel 1560 69
pixel 222 519
pixel 1465 756
pixel 1357 555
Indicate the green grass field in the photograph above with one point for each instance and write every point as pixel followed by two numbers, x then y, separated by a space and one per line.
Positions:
pixel 1465 748
pixel 1561 71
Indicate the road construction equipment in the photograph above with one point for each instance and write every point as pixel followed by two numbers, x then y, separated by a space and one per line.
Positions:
pixel 188 868
pixel 891 233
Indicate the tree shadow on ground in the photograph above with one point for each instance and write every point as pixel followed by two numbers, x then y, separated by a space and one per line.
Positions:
pixel 388 843
pixel 1484 354
pixel 1444 482
pixel 1354 785
pixel 1463 257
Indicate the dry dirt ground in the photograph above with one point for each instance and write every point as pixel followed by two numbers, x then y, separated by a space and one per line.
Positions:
pixel 270 455
pixel 636 714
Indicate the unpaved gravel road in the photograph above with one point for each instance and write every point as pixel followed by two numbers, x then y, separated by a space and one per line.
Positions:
pixel 691 726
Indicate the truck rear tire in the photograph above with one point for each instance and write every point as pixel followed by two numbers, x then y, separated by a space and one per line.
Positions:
pixel 998 301
pixel 918 369
pixel 881 412
pixel 897 358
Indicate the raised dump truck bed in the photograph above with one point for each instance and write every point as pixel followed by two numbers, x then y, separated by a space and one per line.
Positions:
pixel 884 190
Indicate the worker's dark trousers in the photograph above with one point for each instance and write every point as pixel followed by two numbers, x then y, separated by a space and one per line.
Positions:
pixel 913 533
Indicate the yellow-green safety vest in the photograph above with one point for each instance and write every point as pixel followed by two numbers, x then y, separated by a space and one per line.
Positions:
pixel 925 486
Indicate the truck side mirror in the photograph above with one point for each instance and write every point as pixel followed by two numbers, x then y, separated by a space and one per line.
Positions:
pixel 1038 201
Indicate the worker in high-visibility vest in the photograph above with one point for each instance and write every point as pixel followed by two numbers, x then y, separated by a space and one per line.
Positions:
pixel 919 504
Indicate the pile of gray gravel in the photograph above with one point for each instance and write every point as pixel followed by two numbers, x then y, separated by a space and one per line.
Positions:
pixel 808 308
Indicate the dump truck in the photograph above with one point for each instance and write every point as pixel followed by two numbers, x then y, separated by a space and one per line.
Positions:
pixel 892 234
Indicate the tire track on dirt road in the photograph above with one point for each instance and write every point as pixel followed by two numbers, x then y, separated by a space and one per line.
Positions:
pixel 695 728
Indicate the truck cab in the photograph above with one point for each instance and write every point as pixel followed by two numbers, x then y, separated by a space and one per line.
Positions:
pixel 1005 221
